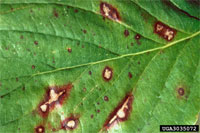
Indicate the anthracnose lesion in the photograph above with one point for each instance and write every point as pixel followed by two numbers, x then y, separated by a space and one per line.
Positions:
pixel 108 11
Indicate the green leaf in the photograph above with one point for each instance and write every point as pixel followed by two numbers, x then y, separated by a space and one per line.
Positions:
pixel 94 66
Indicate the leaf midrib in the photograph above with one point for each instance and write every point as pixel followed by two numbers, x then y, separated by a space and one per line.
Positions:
pixel 121 56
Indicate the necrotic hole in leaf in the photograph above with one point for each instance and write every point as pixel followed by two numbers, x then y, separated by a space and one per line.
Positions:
pixel 107 73
pixel 40 129
pixel 109 11
pixel 121 112
pixel 164 31
pixel 70 123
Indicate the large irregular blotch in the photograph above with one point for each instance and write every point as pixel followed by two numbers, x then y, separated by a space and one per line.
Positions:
pixel 121 112
pixel 70 123
pixel 164 31
pixel 109 11
pixel 54 96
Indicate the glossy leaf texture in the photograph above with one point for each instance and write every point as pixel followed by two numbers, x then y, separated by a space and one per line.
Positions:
pixel 98 66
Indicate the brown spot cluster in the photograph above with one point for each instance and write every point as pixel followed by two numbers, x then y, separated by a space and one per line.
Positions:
pixel 55 95
pixel 70 123
pixel 121 112
pixel 110 12
pixel 164 31
pixel 107 73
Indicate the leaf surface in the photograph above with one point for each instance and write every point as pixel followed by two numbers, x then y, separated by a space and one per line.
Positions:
pixel 103 63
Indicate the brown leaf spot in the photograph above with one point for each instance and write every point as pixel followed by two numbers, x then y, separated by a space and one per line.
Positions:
pixel 84 31
pixel 21 37
pixel 92 116
pixel 33 66
pixel 55 95
pixel 75 10
pixel 107 73
pixel 164 31
pixel 137 38
pixel 181 91
pixel 69 50
pixel 126 33
pixel 106 98
pixel 70 123
pixel 98 111
pixel 90 73
pixel 36 42
pixel 109 11
pixel 40 129
pixel 130 75
pixel 55 13
pixel 120 113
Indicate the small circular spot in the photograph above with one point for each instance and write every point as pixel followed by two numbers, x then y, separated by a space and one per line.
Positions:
pixel 137 37
pixel 131 44
pixel 53 129
pixel 40 129
pixel 98 111
pixel 92 116
pixel 181 91
pixel 106 98
pixel 69 50
pixel 36 42
pixel 23 88
pixel 75 10
pixel 33 66
pixel 126 33
pixel 55 14
pixel 98 103
pixel 84 89
pixel 130 75
pixel 21 37
pixel 90 73
pixel 84 31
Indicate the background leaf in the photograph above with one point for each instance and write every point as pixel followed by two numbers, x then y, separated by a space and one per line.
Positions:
pixel 51 44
